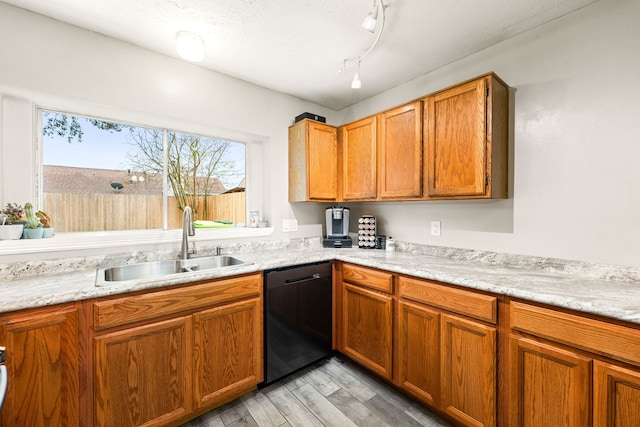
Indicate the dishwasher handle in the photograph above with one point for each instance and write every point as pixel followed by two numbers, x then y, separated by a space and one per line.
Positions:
pixel 301 279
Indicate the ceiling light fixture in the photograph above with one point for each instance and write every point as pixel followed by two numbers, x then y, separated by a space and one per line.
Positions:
pixel 371 19
pixel 370 23
pixel 356 83
pixel 190 46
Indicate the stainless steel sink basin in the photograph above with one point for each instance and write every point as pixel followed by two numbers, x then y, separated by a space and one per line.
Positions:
pixel 148 270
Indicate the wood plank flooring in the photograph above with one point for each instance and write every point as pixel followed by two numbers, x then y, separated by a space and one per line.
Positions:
pixel 333 392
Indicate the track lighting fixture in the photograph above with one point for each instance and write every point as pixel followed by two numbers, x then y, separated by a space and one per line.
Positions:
pixel 356 83
pixel 190 46
pixel 370 23
pixel 371 19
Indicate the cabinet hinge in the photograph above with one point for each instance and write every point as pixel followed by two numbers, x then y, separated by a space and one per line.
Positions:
pixel 487 91
pixel 486 180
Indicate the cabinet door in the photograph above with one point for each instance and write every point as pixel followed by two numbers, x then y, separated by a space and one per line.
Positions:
pixel 551 386
pixel 313 162
pixel 468 377
pixel 400 152
pixel 142 374
pixel 455 131
pixel 616 396
pixel 366 328
pixel 43 367
pixel 418 362
pixel 359 160
pixel 227 352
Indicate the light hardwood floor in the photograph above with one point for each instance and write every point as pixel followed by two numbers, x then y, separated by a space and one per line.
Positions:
pixel 334 392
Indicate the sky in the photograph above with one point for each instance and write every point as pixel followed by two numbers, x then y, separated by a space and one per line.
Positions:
pixel 100 149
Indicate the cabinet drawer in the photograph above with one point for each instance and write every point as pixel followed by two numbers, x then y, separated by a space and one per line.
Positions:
pixel 137 308
pixel 374 279
pixel 479 306
pixel 611 340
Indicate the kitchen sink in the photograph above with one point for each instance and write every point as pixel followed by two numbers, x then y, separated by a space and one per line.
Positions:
pixel 148 270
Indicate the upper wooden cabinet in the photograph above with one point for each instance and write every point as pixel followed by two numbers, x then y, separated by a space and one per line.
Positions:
pixel 466 135
pixel 358 141
pixel 400 152
pixel 313 162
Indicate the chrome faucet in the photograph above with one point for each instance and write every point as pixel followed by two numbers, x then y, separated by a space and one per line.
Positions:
pixel 187 230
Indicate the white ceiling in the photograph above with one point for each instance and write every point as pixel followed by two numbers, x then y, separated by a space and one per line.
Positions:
pixel 298 46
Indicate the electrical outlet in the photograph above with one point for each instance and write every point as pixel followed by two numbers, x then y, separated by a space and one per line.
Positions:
pixel 435 228
pixel 289 225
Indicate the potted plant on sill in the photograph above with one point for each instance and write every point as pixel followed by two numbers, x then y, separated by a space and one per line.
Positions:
pixel 11 222
pixel 47 229
pixel 33 228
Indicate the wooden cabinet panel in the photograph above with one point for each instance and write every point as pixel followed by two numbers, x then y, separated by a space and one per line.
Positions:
pixel 400 152
pixel 375 279
pixel 359 160
pixel 471 304
pixel 136 308
pixel 313 162
pixel 42 350
pixel 551 386
pixel 616 396
pixel 465 129
pixel 143 374
pixel 608 339
pixel 367 328
pixel 418 352
pixel 227 352
pixel 468 354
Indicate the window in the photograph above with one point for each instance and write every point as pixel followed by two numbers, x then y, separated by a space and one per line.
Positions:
pixel 101 175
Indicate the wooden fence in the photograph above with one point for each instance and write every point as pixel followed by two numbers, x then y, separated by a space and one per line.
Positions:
pixel 103 212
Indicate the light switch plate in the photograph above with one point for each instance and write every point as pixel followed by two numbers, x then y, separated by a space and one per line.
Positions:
pixel 435 228
pixel 289 225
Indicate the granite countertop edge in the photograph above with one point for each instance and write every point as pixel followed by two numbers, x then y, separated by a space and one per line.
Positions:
pixel 619 300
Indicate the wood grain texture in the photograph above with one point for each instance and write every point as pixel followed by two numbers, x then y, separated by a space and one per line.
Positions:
pixel 374 279
pixel 313 162
pixel 400 152
pixel 468 371
pixel 227 352
pixel 418 352
pixel 142 307
pixel 367 328
pixel 616 396
pixel 42 350
pixel 465 130
pixel 551 386
pixel 600 337
pixel 359 162
pixel 143 374
pixel 472 304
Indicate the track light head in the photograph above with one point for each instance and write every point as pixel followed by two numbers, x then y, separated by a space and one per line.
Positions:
pixel 370 20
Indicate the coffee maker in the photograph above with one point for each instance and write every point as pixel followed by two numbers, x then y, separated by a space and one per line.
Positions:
pixel 337 228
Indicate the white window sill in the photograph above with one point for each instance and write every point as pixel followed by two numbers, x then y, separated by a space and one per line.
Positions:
pixel 130 239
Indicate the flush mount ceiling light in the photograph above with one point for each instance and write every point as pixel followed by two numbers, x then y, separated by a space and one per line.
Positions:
pixel 190 46
pixel 370 23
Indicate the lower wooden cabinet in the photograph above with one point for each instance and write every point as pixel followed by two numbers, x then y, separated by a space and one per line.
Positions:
pixel 616 396
pixel 468 376
pixel 446 361
pixel 570 370
pixel 162 357
pixel 43 364
pixel 549 385
pixel 367 328
pixel 227 352
pixel 143 374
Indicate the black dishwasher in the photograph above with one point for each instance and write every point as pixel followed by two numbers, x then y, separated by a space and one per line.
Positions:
pixel 297 319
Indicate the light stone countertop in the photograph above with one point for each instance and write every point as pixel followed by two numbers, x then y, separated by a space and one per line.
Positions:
pixel 600 290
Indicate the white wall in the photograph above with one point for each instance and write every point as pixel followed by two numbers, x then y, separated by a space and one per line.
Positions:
pixel 47 63
pixel 575 144
pixel 576 126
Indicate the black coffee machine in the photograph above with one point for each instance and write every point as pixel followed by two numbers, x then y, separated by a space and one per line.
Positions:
pixel 337 228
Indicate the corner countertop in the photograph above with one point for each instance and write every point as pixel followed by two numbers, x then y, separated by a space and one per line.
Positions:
pixel 538 282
